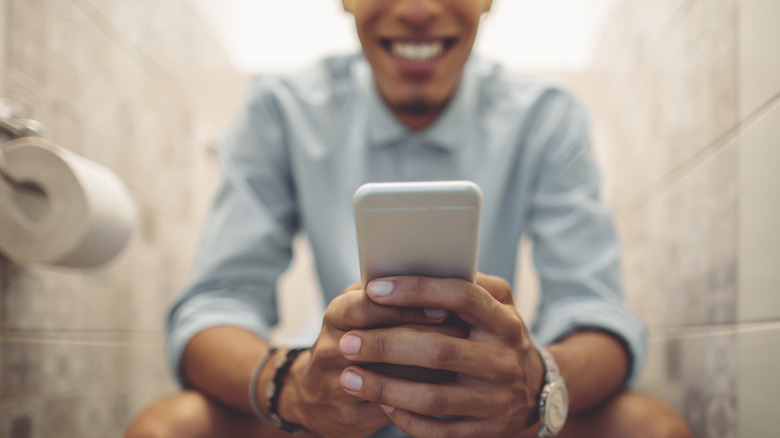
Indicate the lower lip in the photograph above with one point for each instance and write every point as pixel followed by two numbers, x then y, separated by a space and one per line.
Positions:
pixel 416 68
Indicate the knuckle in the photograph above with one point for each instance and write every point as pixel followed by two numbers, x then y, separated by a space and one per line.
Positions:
pixel 503 287
pixel 442 353
pixel 432 403
pixel 378 390
pixel 345 416
pixel 514 334
pixel 498 287
pixel 360 312
pixel 406 423
pixel 325 354
pixel 461 295
pixel 330 312
pixel 504 400
pixel 443 433
pixel 507 370
pixel 340 309
pixel 472 431
pixel 380 347
pixel 419 283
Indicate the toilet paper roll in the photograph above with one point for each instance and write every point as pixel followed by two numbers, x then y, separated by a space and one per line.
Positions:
pixel 68 211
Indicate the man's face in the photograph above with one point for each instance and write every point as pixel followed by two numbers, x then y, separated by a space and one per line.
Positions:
pixel 417 49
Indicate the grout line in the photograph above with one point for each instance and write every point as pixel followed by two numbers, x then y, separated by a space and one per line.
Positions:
pixel 11 331
pixel 654 190
pixel 658 42
pixel 682 332
pixel 4 38
pixel 130 49
pixel 738 259
pixel 42 338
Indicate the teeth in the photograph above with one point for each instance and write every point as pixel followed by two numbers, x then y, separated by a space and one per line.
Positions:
pixel 418 52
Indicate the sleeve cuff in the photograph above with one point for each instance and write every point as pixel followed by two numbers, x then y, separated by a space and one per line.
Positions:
pixel 570 316
pixel 185 322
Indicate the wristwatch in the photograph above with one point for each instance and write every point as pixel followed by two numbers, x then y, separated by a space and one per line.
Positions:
pixel 554 401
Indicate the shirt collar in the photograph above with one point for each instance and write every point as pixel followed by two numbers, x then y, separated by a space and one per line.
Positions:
pixel 446 132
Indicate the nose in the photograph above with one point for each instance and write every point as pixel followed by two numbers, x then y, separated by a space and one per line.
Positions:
pixel 417 13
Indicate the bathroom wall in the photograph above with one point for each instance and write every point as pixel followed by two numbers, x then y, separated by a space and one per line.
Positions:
pixel 138 86
pixel 685 97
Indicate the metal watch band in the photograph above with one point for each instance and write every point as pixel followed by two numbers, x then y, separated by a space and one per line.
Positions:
pixel 553 402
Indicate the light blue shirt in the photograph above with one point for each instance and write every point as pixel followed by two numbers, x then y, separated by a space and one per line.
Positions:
pixel 302 144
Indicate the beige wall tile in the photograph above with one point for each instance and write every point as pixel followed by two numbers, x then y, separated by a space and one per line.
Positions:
pixel 114 88
pixel 84 389
pixel 632 30
pixel 697 373
pixel 758 383
pixel 759 57
pixel 675 101
pixel 680 248
pixel 3 36
pixel 759 216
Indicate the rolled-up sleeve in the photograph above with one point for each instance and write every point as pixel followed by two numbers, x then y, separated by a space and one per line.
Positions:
pixel 576 249
pixel 246 241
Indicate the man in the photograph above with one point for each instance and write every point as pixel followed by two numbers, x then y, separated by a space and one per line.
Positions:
pixel 413 107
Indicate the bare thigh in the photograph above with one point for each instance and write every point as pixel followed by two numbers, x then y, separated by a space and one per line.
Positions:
pixel 628 415
pixel 190 414
pixel 193 415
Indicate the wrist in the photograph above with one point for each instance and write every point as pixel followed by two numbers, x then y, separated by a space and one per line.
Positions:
pixel 291 400
pixel 535 381
pixel 554 400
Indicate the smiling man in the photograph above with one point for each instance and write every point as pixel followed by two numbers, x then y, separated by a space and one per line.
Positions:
pixel 417 52
pixel 392 358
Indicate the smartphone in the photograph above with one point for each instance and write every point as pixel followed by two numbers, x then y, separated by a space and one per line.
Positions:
pixel 428 229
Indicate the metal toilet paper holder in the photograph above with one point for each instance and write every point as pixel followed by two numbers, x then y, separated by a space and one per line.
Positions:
pixel 12 128
pixel 92 241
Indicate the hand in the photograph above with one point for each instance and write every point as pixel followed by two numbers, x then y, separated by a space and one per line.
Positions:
pixel 499 372
pixel 313 396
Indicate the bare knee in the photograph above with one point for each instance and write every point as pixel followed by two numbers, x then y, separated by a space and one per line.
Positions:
pixel 176 416
pixel 639 416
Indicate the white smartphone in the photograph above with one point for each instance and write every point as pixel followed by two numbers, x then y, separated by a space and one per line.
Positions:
pixel 429 229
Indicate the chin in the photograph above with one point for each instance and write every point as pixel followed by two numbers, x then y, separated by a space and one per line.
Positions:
pixel 417 108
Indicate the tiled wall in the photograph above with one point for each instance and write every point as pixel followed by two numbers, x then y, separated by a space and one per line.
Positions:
pixel 686 103
pixel 685 96
pixel 136 86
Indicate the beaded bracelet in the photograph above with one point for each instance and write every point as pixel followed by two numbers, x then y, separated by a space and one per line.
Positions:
pixel 253 386
pixel 274 391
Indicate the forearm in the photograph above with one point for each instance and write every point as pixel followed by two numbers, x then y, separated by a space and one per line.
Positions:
pixel 594 366
pixel 219 362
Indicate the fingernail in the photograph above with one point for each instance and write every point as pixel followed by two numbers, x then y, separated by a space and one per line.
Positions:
pixel 349 344
pixel 380 288
pixel 352 381
pixel 387 409
pixel 435 313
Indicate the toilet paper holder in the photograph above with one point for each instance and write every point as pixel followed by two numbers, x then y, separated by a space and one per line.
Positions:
pixel 12 128
pixel 57 207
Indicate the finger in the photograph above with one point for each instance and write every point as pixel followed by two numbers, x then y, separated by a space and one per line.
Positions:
pixel 471 302
pixel 497 287
pixel 418 397
pixel 456 330
pixel 367 417
pixel 354 309
pixel 425 426
pixel 405 346
pixel 354 286
pixel 415 374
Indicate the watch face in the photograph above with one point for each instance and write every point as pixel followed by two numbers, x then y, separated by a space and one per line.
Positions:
pixel 557 407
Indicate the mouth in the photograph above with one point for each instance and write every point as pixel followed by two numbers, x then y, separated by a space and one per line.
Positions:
pixel 417 51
